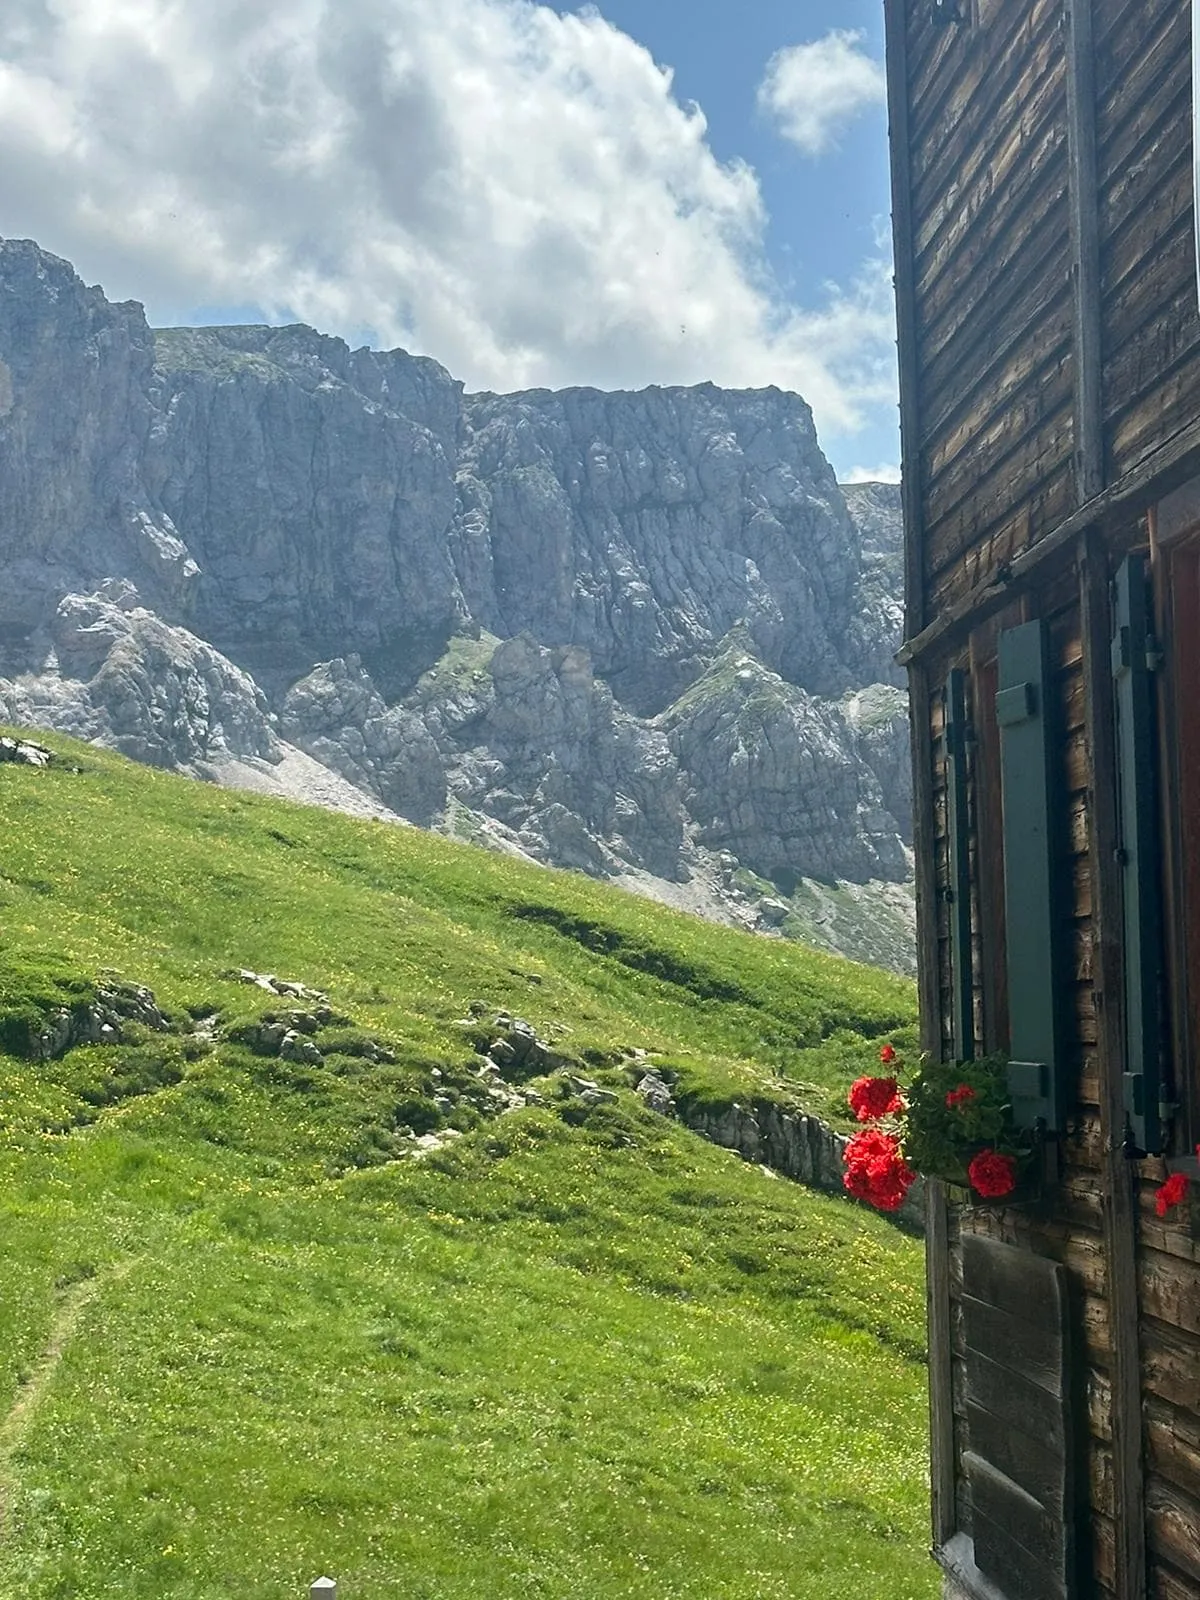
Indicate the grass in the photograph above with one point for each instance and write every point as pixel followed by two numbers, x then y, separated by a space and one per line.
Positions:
pixel 574 1353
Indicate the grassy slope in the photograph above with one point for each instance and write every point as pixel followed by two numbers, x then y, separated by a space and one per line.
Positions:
pixel 570 1355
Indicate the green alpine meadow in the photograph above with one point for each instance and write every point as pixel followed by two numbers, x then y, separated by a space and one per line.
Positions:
pixel 297 1278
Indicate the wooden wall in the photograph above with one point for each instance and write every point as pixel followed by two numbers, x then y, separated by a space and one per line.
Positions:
pixel 1151 327
pixel 991 251
pixel 1000 340
pixel 993 256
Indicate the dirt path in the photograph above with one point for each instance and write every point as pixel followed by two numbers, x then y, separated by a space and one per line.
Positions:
pixel 72 1302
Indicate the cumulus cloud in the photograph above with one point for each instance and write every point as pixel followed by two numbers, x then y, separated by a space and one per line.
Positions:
pixel 814 90
pixel 515 192
pixel 889 472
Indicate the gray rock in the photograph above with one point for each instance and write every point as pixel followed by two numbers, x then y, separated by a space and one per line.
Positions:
pixel 616 632
pixel 656 1094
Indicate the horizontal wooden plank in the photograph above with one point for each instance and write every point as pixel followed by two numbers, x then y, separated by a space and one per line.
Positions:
pixel 1033 1348
pixel 968 335
pixel 1138 72
pixel 1167 1292
pixel 1171 1454
pixel 1015 1402
pixel 990 201
pixel 1007 240
pixel 972 585
pixel 1016 1281
pixel 981 440
pixel 1173 1526
pixel 1136 221
pixel 1168 1584
pixel 1153 327
pixel 1004 90
pixel 1167 411
pixel 1040 1535
pixel 1020 482
pixel 1002 1559
pixel 1171 1365
pixel 1028 1463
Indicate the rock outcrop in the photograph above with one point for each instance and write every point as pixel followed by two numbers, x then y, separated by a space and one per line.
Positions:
pixel 644 635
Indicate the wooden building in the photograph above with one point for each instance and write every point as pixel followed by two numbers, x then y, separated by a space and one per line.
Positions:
pixel 1046 281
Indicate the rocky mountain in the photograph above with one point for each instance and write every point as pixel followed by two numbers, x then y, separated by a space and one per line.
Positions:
pixel 643 635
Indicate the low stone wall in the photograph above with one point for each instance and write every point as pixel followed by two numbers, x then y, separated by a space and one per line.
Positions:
pixel 794 1144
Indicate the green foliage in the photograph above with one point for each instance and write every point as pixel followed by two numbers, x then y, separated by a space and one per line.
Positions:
pixel 573 1353
pixel 940 1139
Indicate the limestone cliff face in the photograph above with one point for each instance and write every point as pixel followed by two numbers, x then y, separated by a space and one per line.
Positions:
pixel 635 634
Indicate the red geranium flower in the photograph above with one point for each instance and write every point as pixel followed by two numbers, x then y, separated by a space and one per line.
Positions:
pixel 874 1097
pixel 993 1174
pixel 876 1171
pixel 1171 1193
pixel 959 1096
pixel 887 1054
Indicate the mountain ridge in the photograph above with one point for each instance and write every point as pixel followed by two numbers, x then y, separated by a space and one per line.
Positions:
pixel 629 633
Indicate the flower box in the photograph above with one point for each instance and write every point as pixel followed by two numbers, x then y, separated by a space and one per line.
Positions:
pixel 950 1120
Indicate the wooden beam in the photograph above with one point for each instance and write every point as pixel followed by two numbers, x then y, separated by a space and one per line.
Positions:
pixel 1118 1198
pixel 941 1364
pixel 1163 470
pixel 1084 192
pixel 896 28
pixel 937 1245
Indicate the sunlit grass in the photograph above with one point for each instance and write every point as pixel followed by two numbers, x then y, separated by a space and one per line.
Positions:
pixel 576 1354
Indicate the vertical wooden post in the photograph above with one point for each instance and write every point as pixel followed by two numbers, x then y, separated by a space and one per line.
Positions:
pixel 1116 1177
pixel 895 22
pixel 937 1244
pixel 1085 242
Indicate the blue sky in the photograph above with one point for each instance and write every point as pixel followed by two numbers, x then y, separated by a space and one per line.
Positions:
pixel 528 194
pixel 826 211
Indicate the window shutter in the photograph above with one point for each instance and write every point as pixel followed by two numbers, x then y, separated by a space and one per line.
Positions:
pixel 1018 1459
pixel 1139 857
pixel 958 889
pixel 1036 968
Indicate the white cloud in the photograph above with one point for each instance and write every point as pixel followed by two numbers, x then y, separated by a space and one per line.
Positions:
pixel 515 192
pixel 815 90
pixel 889 472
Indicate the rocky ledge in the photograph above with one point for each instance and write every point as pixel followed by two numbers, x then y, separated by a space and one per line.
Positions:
pixel 646 636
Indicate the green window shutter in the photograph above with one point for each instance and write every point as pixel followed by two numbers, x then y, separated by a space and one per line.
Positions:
pixel 1037 975
pixel 1139 857
pixel 958 890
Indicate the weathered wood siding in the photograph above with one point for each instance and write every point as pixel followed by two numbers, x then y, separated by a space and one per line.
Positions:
pixel 994 275
pixel 1010 343
pixel 991 246
pixel 1151 327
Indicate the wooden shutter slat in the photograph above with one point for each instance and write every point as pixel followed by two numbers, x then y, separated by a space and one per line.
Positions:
pixel 1018 1455
pixel 1000 1500
pixel 1036 1346
pixel 1140 855
pixel 1016 1573
pixel 1037 972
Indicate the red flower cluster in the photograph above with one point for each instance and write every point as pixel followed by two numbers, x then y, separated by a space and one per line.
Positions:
pixel 959 1096
pixel 1171 1193
pixel 887 1054
pixel 874 1097
pixel 992 1174
pixel 876 1171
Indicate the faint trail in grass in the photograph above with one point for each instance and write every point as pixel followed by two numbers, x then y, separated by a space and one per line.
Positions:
pixel 73 1300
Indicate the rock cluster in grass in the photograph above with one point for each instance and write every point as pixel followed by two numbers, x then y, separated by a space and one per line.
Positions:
pixel 647 636
pixel 24 752
pixel 100 1020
